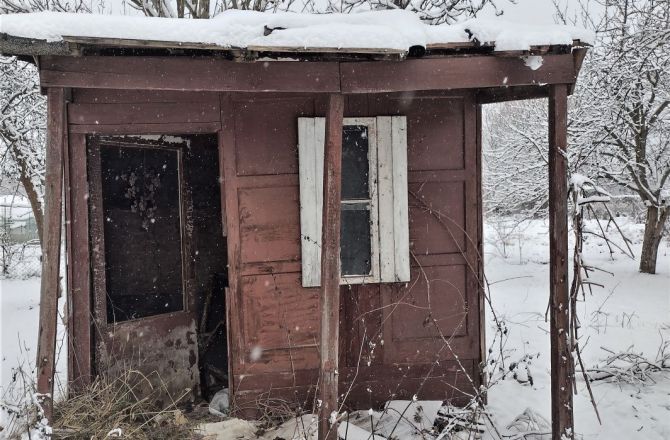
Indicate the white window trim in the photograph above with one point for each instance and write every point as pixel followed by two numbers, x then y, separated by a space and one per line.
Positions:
pixel 389 229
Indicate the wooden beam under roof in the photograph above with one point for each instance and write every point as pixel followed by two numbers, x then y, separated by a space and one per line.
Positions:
pixel 214 74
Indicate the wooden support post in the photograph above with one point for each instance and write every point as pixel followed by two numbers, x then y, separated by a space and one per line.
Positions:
pixel 562 424
pixel 330 266
pixel 53 197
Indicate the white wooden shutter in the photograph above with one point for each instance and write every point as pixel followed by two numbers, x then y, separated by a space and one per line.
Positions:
pixel 392 192
pixel 393 212
pixel 311 140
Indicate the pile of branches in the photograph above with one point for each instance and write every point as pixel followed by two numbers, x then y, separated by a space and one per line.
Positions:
pixel 126 406
pixel 630 367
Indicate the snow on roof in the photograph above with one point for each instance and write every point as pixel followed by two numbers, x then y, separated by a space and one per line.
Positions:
pixel 386 30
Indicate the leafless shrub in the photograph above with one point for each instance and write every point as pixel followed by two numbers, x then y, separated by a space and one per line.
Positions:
pixel 21 411
pixel 630 366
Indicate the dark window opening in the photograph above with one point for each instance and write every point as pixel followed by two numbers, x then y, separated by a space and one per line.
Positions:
pixel 355 163
pixel 143 231
pixel 355 246
pixel 355 236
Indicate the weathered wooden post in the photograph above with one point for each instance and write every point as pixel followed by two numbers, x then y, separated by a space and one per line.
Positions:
pixel 562 423
pixel 53 198
pixel 330 266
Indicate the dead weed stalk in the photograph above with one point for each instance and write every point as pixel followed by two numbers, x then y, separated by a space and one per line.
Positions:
pixel 130 405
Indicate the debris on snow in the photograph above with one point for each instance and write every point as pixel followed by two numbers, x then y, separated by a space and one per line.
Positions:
pixel 115 433
pixel 220 403
pixel 534 62
pixel 532 425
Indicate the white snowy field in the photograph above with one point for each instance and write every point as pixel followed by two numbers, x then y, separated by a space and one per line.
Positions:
pixel 19 315
pixel 632 312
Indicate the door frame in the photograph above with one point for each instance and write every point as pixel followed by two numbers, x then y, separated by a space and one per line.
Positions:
pixel 104 332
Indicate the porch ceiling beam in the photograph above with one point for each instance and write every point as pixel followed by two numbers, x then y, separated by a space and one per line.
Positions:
pixel 504 94
pixel 330 266
pixel 213 74
pixel 562 365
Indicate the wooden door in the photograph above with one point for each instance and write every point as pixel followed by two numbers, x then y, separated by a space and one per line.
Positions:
pixel 144 304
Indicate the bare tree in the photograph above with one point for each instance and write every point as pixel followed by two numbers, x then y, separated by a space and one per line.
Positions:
pixel 619 120
pixel 22 124
pixel 21 6
pixel 515 156
pixel 431 11
pixel 23 110
pixel 626 113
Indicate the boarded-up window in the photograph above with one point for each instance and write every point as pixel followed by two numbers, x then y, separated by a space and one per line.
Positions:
pixel 374 242
pixel 141 192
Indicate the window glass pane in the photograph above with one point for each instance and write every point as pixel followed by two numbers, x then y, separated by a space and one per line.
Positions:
pixel 355 251
pixel 140 197
pixel 355 164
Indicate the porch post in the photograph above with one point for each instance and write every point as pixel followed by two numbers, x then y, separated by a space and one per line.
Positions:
pixel 562 424
pixel 49 289
pixel 330 266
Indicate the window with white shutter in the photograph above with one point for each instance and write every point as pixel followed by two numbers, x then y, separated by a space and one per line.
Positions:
pixel 374 241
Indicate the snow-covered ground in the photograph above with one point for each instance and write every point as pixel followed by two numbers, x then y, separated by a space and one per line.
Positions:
pixel 631 312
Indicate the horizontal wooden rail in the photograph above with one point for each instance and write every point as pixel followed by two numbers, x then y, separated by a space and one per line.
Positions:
pixel 213 74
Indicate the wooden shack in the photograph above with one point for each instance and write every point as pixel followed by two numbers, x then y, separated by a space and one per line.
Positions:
pixel 202 233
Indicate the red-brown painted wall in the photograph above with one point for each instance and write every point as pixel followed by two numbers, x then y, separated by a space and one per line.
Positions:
pixel 386 325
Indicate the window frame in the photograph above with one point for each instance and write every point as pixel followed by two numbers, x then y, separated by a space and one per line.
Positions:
pixel 373 185
pixel 388 170
pixel 95 144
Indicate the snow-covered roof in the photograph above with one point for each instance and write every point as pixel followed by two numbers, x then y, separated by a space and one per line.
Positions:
pixel 393 31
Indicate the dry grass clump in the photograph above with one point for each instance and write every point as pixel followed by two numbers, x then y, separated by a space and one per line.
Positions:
pixel 129 406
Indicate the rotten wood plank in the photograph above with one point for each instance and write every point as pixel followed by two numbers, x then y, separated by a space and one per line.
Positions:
pixel 326 50
pixel 80 284
pixel 49 289
pixel 330 266
pixel 503 94
pixel 230 205
pixel 561 356
pixel 142 44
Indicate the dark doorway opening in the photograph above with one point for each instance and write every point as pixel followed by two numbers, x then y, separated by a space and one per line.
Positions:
pixel 201 169
pixel 162 260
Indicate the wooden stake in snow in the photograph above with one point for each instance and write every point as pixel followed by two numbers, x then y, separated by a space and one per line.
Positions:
pixel 562 425
pixel 53 194
pixel 330 267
